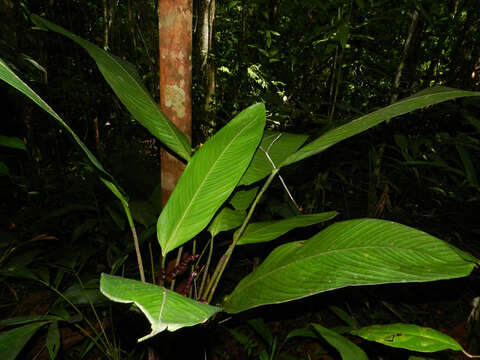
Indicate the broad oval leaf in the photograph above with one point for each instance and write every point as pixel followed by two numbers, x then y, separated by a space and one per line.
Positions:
pixel 408 336
pixel 347 349
pixel 278 146
pixel 269 230
pixel 349 253
pixel 209 178
pixel 423 98
pixel 127 85
pixel 164 309
pixel 227 219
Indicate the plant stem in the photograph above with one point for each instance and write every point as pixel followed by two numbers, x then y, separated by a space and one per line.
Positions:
pixel 222 264
pixel 135 241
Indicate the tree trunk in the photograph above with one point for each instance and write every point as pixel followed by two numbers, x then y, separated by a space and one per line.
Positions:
pixel 175 65
pixel 204 66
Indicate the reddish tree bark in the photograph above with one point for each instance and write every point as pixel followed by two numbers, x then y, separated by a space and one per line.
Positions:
pixel 175 63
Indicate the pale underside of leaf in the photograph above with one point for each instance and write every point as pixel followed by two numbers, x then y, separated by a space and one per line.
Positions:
pixel 164 309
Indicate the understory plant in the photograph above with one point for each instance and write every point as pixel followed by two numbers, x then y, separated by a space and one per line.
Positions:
pixel 219 191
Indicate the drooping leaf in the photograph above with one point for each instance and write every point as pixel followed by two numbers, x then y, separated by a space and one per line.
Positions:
pixel 227 219
pixel 13 341
pixel 347 349
pixel 12 142
pixel 269 230
pixel 423 98
pixel 53 340
pixel 408 336
pixel 20 320
pixel 349 253
pixel 242 199
pixel 164 309
pixel 127 85
pixel 209 178
pixel 7 75
pixel 279 146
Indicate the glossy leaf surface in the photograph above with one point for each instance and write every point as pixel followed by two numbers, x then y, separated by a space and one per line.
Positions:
pixel 209 178
pixel 279 146
pixel 349 253
pixel 164 309
pixel 127 85
pixel 347 349
pixel 408 336
pixel 269 230
pixel 423 98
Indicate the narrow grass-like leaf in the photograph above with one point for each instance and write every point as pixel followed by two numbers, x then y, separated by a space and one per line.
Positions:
pixel 408 336
pixel 268 230
pixel 13 341
pixel 127 85
pixel 53 340
pixel 347 349
pixel 12 142
pixel 7 75
pixel 209 178
pixel 164 309
pixel 349 253
pixel 424 98
pixel 227 219
pixel 279 146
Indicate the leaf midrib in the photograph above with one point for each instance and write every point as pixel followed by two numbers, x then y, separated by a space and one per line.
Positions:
pixel 187 209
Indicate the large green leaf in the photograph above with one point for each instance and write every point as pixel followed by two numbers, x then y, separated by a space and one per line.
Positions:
pixel 164 309
pixel 408 336
pixel 127 85
pixel 269 230
pixel 279 146
pixel 355 252
pixel 347 349
pixel 13 341
pixel 421 99
pixel 242 199
pixel 209 178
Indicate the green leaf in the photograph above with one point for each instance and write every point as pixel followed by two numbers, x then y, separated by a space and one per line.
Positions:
pixel 4 169
pixel 269 230
pixel 209 178
pixel 86 294
pixel 10 78
pixel 127 85
pixel 347 349
pixel 7 75
pixel 408 336
pixel 242 199
pixel 279 146
pixel 164 309
pixel 13 341
pixel 27 319
pixel 12 142
pixel 423 98
pixel 349 253
pixel 303 332
pixel 262 330
pixel 53 340
pixel 227 219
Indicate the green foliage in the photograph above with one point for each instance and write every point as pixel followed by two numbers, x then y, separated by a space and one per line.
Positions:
pixel 408 336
